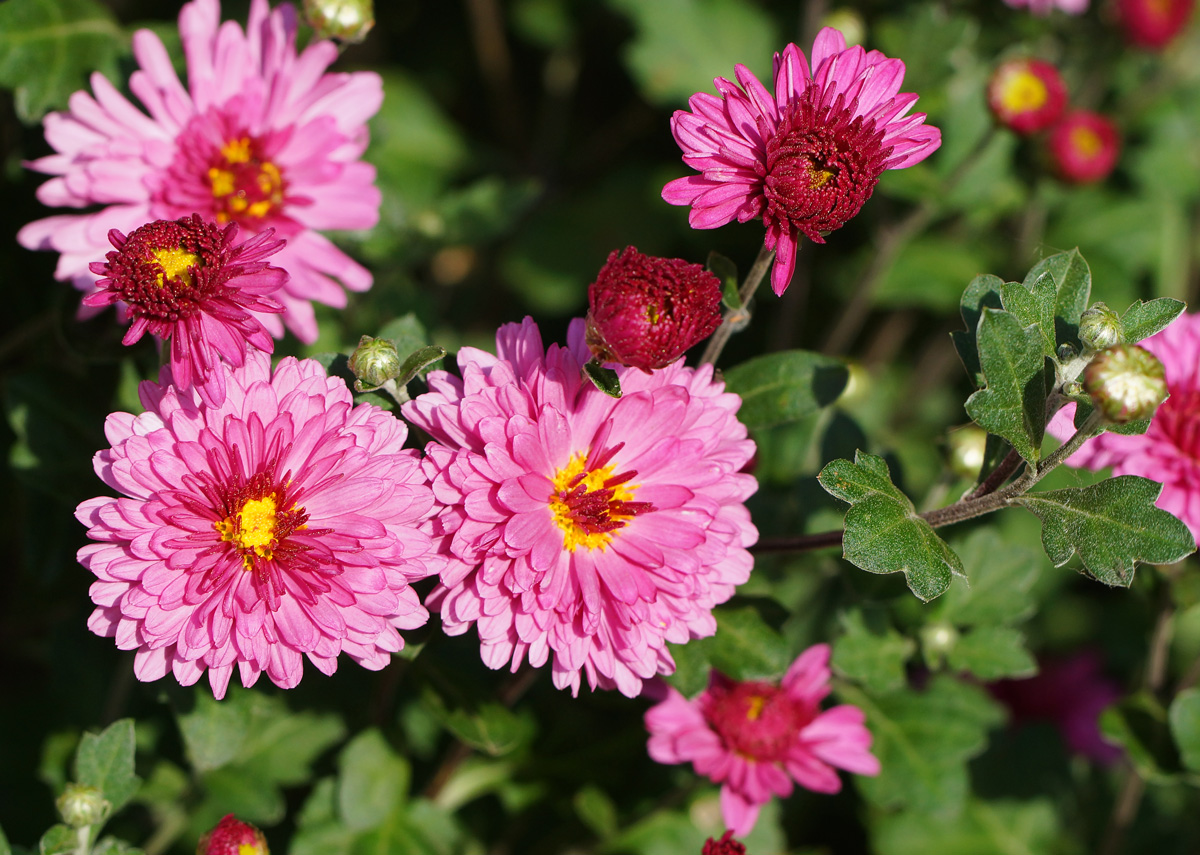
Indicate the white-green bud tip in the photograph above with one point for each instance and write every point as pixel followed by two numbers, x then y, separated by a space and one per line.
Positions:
pixel 344 20
pixel 1126 383
pixel 81 805
pixel 375 361
pixel 1099 327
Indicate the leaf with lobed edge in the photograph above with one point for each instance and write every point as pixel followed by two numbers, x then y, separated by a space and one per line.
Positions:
pixel 1073 284
pixel 1142 320
pixel 1013 404
pixel 785 387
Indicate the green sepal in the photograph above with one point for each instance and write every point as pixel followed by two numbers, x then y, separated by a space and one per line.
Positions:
pixel 604 379
pixel 726 271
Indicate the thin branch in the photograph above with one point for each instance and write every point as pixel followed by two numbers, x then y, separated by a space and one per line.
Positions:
pixel 736 319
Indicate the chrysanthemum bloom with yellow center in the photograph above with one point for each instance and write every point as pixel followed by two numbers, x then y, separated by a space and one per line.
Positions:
pixel 188 281
pixel 1084 147
pixel 804 159
pixel 582 528
pixel 755 738
pixel 1026 95
pixel 231 836
pixel 261 137
pixel 1153 24
pixel 284 523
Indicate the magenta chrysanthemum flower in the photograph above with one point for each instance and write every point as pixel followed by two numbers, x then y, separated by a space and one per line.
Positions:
pixel 1026 95
pixel 1153 24
pixel 1044 7
pixel 584 528
pixel 804 159
pixel 755 738
pixel 1169 452
pixel 186 280
pixel 1084 147
pixel 284 523
pixel 260 137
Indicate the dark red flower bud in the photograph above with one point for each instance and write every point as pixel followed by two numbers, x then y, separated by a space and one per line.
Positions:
pixel 725 846
pixel 233 837
pixel 646 311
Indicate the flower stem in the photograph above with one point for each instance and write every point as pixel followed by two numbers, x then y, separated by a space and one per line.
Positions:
pixel 736 319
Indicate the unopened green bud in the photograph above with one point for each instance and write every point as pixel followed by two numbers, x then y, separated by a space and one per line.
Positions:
pixel 1126 383
pixel 1099 327
pixel 81 805
pixel 968 445
pixel 344 20
pixel 937 641
pixel 375 361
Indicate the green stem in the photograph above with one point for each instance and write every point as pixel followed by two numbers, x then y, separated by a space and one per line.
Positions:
pixel 736 319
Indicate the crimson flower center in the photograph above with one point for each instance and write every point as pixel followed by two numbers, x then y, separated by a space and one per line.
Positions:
pixel 760 721
pixel 246 187
pixel 590 503
pixel 822 165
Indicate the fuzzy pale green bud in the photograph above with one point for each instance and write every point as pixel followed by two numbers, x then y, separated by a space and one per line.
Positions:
pixel 1126 383
pixel 81 805
pixel 344 20
pixel 968 447
pixel 375 361
pixel 1100 327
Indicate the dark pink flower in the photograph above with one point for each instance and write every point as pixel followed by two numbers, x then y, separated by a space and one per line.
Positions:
pixel 261 136
pixel 281 524
pixel 725 846
pixel 584 529
pixel 1026 95
pixel 804 159
pixel 645 311
pixel 756 738
pixel 1153 24
pixel 231 836
pixel 188 281
pixel 1084 147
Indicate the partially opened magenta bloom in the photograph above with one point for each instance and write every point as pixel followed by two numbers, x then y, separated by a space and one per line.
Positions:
pixel 757 738
pixel 804 159
pixel 283 524
pixel 584 530
pixel 260 136
pixel 188 282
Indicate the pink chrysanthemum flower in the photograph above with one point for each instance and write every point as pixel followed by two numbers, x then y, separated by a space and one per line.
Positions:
pixel 188 281
pixel 1153 24
pixel 260 137
pixel 1084 147
pixel 804 159
pixel 585 528
pixel 1026 95
pixel 755 738
pixel 1044 7
pixel 284 523
pixel 1169 451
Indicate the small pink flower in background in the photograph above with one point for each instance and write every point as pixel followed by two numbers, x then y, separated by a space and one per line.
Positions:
pixel 1084 147
pixel 231 836
pixel 1153 24
pixel 260 137
pixel 756 738
pixel 1069 692
pixel 284 523
pixel 1169 451
pixel 188 281
pixel 645 311
pixel 1026 95
pixel 804 159
pixel 1044 7
pixel 584 529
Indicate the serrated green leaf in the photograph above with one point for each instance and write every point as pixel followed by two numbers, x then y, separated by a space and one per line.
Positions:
pixel 992 652
pixel 745 647
pixel 49 47
pixel 1013 403
pixel 996 589
pixel 1112 525
pixel 58 840
pixel 372 781
pixel 214 731
pixel 248 792
pixel 1142 320
pixel 596 809
pixel 1033 305
pixel 726 271
pixel 1184 717
pixel 983 828
pixel 983 292
pixel 604 379
pixel 105 761
pixel 883 533
pixel 874 657
pixel 491 728
pixel 923 740
pixel 1073 283
pixel 785 387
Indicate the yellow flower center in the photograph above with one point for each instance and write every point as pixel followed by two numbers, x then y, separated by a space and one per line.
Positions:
pixel 252 530
pixel 245 187
pixel 1086 141
pixel 754 708
pixel 1023 91
pixel 588 505
pixel 176 264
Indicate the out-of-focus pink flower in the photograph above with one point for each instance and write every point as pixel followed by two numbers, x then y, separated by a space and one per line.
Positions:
pixel 188 281
pixel 1084 147
pixel 755 738
pixel 284 523
pixel 260 137
pixel 1070 692
pixel 231 836
pixel 1153 24
pixel 1169 451
pixel 1044 7
pixel 585 528
pixel 645 311
pixel 804 159
pixel 1026 95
